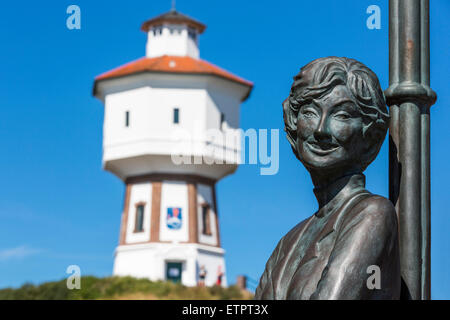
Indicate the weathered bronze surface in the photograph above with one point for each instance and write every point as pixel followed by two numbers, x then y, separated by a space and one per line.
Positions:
pixel 336 120
pixel 410 97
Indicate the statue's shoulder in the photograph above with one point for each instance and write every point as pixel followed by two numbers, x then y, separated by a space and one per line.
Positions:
pixel 377 206
pixel 373 210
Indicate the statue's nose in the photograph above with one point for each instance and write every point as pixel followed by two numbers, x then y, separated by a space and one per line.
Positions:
pixel 322 130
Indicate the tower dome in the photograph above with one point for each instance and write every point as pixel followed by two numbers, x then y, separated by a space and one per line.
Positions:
pixel 173 33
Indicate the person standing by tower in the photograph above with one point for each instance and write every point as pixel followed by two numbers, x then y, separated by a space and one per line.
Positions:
pixel 219 276
pixel 202 276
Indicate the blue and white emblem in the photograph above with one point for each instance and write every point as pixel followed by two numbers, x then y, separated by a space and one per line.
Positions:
pixel 174 218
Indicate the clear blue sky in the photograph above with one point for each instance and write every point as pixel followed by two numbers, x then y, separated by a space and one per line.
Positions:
pixel 57 206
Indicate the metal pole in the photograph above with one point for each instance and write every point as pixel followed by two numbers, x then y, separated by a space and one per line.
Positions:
pixel 410 97
pixel 425 157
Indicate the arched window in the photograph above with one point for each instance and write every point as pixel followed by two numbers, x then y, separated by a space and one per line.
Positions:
pixel 157 30
pixel 192 34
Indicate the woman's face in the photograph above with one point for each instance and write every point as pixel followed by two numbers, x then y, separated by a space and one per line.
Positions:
pixel 329 132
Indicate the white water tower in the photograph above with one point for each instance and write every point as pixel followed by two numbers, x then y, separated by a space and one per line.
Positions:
pixel 170 223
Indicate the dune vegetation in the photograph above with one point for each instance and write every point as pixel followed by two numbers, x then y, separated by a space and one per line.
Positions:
pixel 121 288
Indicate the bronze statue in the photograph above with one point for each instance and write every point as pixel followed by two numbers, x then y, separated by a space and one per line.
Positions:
pixel 336 120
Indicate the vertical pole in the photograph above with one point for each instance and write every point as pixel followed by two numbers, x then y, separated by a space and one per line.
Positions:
pixel 425 156
pixel 410 97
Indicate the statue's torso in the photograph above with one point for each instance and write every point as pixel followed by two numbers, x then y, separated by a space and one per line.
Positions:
pixel 300 260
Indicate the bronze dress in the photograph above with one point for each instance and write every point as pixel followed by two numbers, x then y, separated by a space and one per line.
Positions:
pixel 328 255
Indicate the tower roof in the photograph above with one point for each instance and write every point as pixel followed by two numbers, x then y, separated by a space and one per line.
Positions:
pixel 173 17
pixel 171 64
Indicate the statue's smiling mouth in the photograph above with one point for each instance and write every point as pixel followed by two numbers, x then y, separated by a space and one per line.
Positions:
pixel 322 148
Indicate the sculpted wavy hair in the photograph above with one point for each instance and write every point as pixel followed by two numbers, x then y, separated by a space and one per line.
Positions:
pixel 319 77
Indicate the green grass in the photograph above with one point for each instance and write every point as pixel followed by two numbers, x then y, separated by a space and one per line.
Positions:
pixel 120 288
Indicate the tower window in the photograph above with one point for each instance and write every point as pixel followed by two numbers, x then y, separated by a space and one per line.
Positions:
pixel 139 219
pixel 192 34
pixel 222 120
pixel 206 221
pixel 157 30
pixel 127 118
pixel 176 115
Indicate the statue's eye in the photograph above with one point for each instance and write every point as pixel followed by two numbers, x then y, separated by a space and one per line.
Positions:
pixel 342 116
pixel 308 114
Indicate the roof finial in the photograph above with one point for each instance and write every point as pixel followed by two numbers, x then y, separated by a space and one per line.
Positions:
pixel 173 5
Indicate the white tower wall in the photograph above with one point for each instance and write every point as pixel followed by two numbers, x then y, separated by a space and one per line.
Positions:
pixel 146 254
pixel 149 261
pixel 151 137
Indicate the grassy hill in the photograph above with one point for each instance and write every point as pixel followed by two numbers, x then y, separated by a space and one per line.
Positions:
pixel 121 288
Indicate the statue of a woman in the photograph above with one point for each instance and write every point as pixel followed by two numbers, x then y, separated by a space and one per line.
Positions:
pixel 336 120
